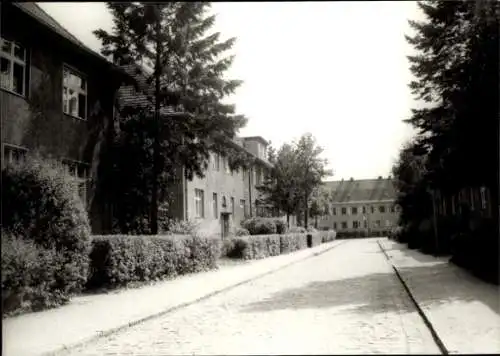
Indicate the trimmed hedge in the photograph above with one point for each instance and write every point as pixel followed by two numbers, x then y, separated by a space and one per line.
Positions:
pixel 262 246
pixel 117 260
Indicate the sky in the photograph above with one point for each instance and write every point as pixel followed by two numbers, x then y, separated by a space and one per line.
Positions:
pixel 335 69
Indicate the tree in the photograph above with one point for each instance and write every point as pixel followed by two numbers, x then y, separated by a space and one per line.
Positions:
pixel 310 170
pixel 280 187
pixel 185 84
pixel 319 204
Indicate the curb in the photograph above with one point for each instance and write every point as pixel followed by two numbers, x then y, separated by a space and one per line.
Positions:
pixel 420 311
pixel 66 348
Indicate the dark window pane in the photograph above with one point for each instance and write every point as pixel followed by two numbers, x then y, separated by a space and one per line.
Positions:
pixel 5 73
pixel 6 46
pixel 82 100
pixel 18 85
pixel 19 52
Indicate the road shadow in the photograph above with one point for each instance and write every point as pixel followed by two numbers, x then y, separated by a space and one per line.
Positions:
pixel 378 292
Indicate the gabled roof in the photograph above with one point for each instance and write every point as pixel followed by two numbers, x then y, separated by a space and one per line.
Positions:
pixel 361 190
pixel 37 13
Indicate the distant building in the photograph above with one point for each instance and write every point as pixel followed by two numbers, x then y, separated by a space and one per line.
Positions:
pixel 366 205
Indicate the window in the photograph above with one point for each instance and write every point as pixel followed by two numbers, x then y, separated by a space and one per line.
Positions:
pixel 344 224
pixel 355 224
pixel 214 206
pixel 381 209
pixel 74 94
pixel 226 164
pixel 224 202
pixel 365 224
pixel 232 205
pixel 199 203
pixel 377 223
pixel 387 223
pixel 483 197
pixel 217 162
pixel 393 209
pixel 244 173
pixel 344 211
pixel 334 211
pixel 364 210
pixel 79 172
pixel 373 209
pixel 243 206
pixel 354 210
pixel 12 67
pixel 334 225
pixel 12 154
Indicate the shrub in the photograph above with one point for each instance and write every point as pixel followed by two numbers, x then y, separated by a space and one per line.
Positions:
pixel 260 226
pixel 241 232
pixel 44 209
pixel 297 230
pixel 182 227
pixel 281 226
pixel 117 260
pixel 31 276
pixel 292 242
pixel 327 235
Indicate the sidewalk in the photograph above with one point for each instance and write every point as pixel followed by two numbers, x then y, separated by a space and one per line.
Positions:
pixel 86 317
pixel 463 310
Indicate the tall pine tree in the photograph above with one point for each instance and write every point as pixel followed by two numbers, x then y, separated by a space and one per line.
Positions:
pixel 186 85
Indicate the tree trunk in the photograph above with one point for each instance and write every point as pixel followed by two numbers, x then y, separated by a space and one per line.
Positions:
pixel 288 220
pixel 316 222
pixel 156 143
pixel 306 213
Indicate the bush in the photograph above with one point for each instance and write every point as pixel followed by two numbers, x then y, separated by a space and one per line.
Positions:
pixel 281 226
pixel 117 260
pixel 260 226
pixel 241 232
pixel 183 227
pixel 297 230
pixel 31 276
pixel 328 235
pixel 44 209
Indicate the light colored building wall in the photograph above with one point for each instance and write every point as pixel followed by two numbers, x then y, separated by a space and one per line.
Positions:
pixel 371 219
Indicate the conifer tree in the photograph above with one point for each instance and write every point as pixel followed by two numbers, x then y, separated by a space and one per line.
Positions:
pixel 186 84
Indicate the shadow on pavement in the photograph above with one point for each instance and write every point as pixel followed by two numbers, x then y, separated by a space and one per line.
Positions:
pixel 377 292
pixel 392 246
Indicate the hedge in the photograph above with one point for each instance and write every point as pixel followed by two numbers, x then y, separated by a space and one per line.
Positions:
pixel 117 260
pixel 262 246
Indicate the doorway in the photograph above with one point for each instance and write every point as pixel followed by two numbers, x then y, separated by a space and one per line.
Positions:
pixel 224 224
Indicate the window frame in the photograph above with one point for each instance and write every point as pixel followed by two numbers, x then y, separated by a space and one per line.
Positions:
pixel 343 210
pixel 215 205
pixel 78 181
pixel 354 210
pixel 13 148
pixel 13 59
pixel 381 209
pixel 82 76
pixel 201 201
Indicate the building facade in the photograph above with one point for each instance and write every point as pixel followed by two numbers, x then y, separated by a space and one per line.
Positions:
pixel 223 198
pixel 57 96
pixel 361 206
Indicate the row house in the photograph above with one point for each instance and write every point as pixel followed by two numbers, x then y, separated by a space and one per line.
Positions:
pixel 366 205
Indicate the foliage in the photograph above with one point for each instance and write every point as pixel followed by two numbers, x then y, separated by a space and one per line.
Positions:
pixel 281 226
pixel 260 226
pixel 44 209
pixel 117 260
pixel 310 171
pixel 241 232
pixel 297 230
pixel 182 227
pixel 456 75
pixel 188 79
pixel 33 278
pixel 280 187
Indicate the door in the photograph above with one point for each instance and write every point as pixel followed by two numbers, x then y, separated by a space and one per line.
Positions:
pixel 225 224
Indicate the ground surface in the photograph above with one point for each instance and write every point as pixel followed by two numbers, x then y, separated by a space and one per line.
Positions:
pixel 347 300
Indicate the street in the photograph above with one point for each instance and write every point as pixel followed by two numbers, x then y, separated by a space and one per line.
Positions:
pixel 347 300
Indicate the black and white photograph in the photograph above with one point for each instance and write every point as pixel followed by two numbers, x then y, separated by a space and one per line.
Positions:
pixel 250 178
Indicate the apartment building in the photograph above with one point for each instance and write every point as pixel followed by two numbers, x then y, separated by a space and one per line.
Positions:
pixel 61 99
pixel 223 198
pixel 365 205
pixel 57 97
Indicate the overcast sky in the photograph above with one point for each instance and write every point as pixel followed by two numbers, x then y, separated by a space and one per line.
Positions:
pixel 335 69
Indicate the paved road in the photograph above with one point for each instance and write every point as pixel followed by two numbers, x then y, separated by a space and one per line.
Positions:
pixel 347 300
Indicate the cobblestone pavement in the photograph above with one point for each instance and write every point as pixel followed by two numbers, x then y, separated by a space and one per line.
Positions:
pixel 347 300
